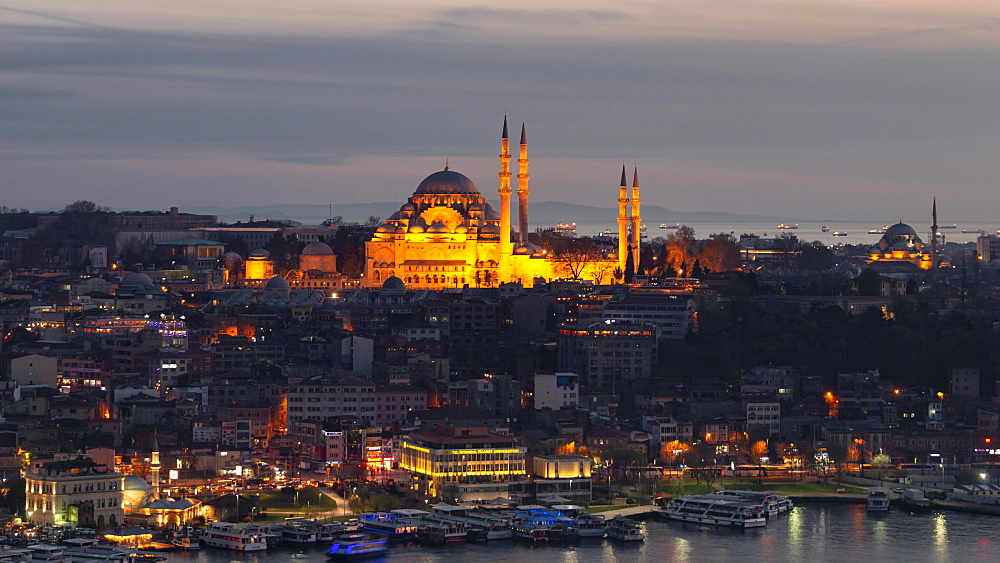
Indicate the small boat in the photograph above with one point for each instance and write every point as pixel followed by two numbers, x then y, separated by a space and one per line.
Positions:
pixel 357 545
pixel 670 226
pixel 914 499
pixel 825 229
pixel 839 233
pixel 878 499
pixel 186 539
pixel 785 227
pixel 625 529
pixel 530 533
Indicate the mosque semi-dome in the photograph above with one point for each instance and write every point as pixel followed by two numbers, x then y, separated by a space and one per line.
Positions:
pixel 277 282
pixel 393 283
pixel 138 279
pixel 446 182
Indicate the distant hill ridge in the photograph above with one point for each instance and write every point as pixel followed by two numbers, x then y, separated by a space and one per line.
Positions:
pixel 542 213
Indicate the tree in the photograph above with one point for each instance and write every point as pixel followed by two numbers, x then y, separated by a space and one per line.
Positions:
pixel 720 253
pixel 576 255
pixel 680 247
pixel 814 256
pixel 869 283
pixel 84 206
pixel 674 452
pixel 881 462
pixel 373 221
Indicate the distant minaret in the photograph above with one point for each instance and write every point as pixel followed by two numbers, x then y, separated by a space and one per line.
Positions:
pixel 623 220
pixel 522 188
pixel 636 220
pixel 934 236
pixel 504 192
pixel 154 467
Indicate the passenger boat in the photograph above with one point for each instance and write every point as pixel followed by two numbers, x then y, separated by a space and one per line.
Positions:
pixel 625 529
pixel 785 227
pixel 825 229
pixel 590 525
pixel 297 535
pixel 477 523
pixel 530 533
pixel 233 536
pixel 715 510
pixel 397 527
pixel 186 539
pixel 673 226
pixel 441 532
pixel 566 229
pixel 839 233
pixel 771 503
pixel 914 499
pixel 878 499
pixel 357 545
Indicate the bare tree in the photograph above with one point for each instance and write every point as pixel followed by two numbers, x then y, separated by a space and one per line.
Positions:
pixel 680 249
pixel 373 221
pixel 719 253
pixel 577 255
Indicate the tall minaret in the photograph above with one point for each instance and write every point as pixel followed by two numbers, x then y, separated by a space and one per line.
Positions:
pixel 623 220
pixel 934 236
pixel 504 192
pixel 154 467
pixel 636 220
pixel 522 188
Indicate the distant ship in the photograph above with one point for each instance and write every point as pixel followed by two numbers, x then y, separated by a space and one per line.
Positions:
pixel 839 234
pixel 787 227
pixel 878 231
pixel 566 229
pixel 970 231
pixel 825 229
pixel 666 226
pixel 951 226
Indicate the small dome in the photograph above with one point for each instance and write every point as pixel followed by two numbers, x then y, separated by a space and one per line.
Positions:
pixel 461 229
pixel 386 228
pixel 136 483
pixel 317 249
pixel 446 182
pixel 395 216
pixel 260 253
pixel 522 249
pixel 393 283
pixel 418 225
pixel 137 280
pixel 438 227
pixel 489 230
pixel 277 282
pixel 231 258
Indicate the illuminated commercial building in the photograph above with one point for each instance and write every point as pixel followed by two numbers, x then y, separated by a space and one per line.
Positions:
pixel 459 463
pixel 73 489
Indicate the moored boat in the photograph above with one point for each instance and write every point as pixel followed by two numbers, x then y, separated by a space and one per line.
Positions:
pixel 186 539
pixel 772 504
pixel 227 535
pixel 530 533
pixel 914 499
pixel 397 527
pixel 625 529
pixel 878 499
pixel 715 510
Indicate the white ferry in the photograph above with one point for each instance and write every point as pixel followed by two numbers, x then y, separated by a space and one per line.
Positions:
pixel 840 233
pixel 481 525
pixel 233 536
pixel 719 511
pixel 358 545
pixel 671 226
pixel 566 229
pixel 771 503
pixel 399 525
pixel 785 227
pixel 878 499
pixel 625 529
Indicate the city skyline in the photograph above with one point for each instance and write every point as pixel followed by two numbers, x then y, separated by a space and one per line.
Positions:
pixel 843 110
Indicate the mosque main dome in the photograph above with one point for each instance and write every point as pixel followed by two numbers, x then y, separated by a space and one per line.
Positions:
pixel 446 182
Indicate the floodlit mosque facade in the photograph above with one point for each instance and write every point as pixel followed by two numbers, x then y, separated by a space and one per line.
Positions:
pixel 447 235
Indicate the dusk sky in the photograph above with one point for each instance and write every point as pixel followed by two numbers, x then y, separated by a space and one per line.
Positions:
pixel 843 109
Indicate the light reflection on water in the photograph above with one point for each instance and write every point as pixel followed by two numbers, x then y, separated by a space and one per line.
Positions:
pixel 819 532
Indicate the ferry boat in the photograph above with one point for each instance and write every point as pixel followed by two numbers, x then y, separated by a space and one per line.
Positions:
pixel 478 524
pixel 719 511
pixel 878 499
pixel 878 231
pixel 566 229
pixel 785 227
pixel 914 499
pixel 441 532
pixel 186 539
pixel 825 229
pixel 530 533
pixel 233 536
pixel 590 525
pixel 839 234
pixel 771 503
pixel 398 527
pixel 357 545
pixel 297 534
pixel 671 226
pixel 625 529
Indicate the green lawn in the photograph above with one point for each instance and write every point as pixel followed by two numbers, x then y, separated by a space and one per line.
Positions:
pixel 679 490
pixel 793 487
pixel 307 498
pixel 596 509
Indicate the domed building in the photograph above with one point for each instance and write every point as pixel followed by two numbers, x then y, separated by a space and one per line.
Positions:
pixel 318 256
pixel 900 250
pixel 258 268
pixel 448 236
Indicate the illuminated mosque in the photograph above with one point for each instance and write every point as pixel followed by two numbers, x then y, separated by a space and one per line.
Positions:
pixel 901 250
pixel 447 235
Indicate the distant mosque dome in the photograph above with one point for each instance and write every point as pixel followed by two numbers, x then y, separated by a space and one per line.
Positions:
pixel 277 282
pixel 317 249
pixel 136 483
pixel 393 283
pixel 137 280
pixel 231 259
pixel 446 182
pixel 260 253
pixel 900 229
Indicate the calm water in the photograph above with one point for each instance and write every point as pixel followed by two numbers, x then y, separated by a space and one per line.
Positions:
pixel 818 532
pixel 857 232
